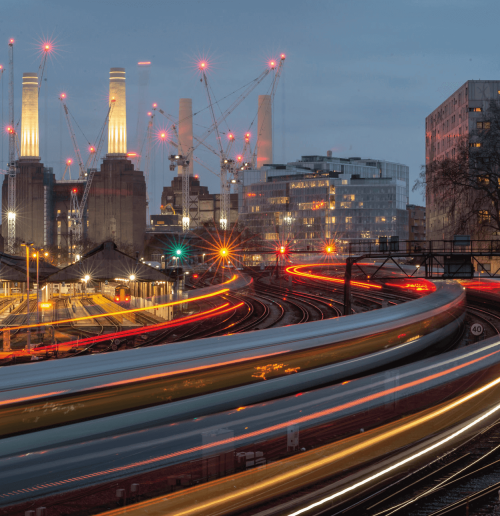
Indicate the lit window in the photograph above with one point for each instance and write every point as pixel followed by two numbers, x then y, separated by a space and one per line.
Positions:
pixel 475 144
pixel 348 220
pixel 475 109
pixel 484 216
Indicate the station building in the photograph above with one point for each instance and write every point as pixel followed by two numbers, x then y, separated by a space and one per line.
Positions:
pixel 323 198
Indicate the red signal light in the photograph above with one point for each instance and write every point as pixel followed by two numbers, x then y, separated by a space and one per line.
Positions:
pixel 117 298
pixel 195 276
pixel 282 249
pixel 75 190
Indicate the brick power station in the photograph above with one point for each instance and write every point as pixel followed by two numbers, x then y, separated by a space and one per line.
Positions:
pixel 116 207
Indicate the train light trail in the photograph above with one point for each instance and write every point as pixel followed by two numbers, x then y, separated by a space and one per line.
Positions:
pixel 239 490
pixel 296 270
pixel 131 311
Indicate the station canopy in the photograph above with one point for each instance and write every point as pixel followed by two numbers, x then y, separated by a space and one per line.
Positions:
pixel 13 268
pixel 106 262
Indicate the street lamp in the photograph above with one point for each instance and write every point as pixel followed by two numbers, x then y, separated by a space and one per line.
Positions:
pixel 27 245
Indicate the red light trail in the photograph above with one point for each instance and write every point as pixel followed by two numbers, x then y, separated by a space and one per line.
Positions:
pixel 294 271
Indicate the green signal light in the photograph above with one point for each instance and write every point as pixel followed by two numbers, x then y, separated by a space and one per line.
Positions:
pixel 178 252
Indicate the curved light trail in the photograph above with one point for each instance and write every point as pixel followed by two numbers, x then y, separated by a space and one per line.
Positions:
pixel 126 312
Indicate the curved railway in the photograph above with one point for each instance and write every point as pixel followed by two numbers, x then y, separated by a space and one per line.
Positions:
pixel 253 310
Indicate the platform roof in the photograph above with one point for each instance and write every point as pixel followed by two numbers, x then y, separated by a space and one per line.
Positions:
pixel 13 268
pixel 106 262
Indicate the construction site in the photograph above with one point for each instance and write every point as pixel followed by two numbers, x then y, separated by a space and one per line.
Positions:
pixel 110 197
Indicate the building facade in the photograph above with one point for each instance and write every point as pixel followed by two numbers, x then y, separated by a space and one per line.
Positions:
pixel 458 116
pixel 416 223
pixel 322 199
pixel 204 206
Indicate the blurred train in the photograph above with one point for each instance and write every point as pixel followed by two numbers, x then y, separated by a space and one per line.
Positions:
pixel 122 296
pixel 322 351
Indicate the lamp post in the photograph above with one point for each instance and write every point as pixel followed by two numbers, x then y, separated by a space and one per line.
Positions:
pixel 28 335
pixel 85 279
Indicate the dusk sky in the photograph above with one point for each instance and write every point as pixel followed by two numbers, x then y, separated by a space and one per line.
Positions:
pixel 360 75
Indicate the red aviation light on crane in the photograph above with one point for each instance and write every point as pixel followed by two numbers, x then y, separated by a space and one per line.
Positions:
pixel 69 161
pixel 230 136
pixel 10 130
pixel 239 158
pixel 92 149
pixel 202 65
pixel 75 190
pixel 131 154
pixel 196 176
pixel 46 48
pixel 149 113
pixel 163 136
pixel 11 41
pixel 1 67
pixel 283 57
pixel 155 105
pixel 144 63
pixel 272 64
pixel 62 96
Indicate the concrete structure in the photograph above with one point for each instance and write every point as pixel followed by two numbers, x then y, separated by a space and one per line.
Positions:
pixel 117 126
pixel 456 117
pixel 186 132
pixel 264 131
pixel 29 118
pixel 322 198
pixel 207 205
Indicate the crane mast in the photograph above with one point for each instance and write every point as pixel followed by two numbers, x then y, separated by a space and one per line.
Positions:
pixel 226 165
pixel 79 206
pixel 11 197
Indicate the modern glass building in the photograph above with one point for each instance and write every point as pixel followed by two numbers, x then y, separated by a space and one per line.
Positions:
pixel 324 199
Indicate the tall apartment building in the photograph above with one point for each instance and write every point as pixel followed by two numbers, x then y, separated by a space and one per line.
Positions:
pixel 459 115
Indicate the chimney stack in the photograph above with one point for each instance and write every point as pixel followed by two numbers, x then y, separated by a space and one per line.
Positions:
pixel 265 131
pixel 29 118
pixel 186 131
pixel 117 125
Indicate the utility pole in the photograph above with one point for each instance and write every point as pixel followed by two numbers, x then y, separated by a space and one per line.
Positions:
pixel 11 198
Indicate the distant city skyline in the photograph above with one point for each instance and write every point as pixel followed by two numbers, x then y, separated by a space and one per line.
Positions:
pixel 359 79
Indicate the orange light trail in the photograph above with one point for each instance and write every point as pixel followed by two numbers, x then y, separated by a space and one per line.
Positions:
pixel 294 271
pixel 417 286
pixel 125 312
pixel 143 63
pixel 295 421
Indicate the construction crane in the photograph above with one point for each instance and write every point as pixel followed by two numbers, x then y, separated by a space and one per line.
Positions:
pixel 184 156
pixel 81 166
pixel 11 197
pixel 77 208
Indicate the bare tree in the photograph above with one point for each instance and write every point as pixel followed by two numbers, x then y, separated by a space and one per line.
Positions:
pixel 466 186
